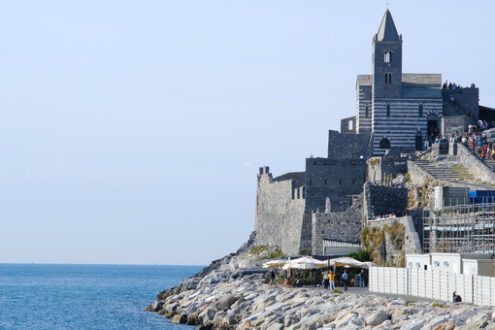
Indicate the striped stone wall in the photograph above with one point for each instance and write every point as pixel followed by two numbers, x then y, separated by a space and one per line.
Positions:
pixel 363 117
pixel 404 122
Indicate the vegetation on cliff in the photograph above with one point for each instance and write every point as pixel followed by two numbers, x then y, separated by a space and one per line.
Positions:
pixel 385 244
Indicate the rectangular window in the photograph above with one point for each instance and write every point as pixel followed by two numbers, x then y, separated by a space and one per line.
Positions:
pixel 388 110
pixel 366 111
pixel 388 78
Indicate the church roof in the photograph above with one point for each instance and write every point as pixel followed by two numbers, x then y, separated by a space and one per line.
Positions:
pixel 387 30
pixel 364 80
pixel 425 79
pixel 421 85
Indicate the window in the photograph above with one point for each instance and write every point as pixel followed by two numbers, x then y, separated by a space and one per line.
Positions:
pixel 387 58
pixel 366 109
pixel 310 182
pixel 388 78
pixel 385 143
pixel 420 110
pixel 350 125
pixel 388 110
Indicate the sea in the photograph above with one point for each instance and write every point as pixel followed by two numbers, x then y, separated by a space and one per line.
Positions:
pixel 42 296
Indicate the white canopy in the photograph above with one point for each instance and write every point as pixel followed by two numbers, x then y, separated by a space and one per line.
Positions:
pixel 305 263
pixel 274 263
pixel 347 262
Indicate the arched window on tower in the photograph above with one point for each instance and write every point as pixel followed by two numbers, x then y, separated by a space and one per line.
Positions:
pixel 385 143
pixel 420 110
pixel 387 58
pixel 388 110
pixel 388 78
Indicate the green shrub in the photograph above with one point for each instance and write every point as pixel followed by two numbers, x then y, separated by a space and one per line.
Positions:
pixel 361 255
pixel 437 304
pixel 258 249
pixel 277 253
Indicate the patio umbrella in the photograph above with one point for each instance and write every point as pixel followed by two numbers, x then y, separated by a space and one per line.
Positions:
pixel 274 263
pixel 347 262
pixel 305 263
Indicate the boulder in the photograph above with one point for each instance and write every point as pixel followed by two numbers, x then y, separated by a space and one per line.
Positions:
pixel 376 318
pixel 224 303
pixel 176 319
pixel 449 325
pixel 192 319
pixel 414 324
pixel 275 326
pixel 436 321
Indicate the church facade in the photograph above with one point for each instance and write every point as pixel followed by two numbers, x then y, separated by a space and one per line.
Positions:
pixel 398 110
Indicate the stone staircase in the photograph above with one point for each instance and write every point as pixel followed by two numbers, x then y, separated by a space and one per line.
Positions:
pixel 490 163
pixel 443 171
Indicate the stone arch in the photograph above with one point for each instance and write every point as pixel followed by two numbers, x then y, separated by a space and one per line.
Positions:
pixel 385 143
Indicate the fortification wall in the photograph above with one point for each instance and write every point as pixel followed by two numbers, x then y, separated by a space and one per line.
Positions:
pixel 347 146
pixel 380 200
pixel 459 101
pixel 455 124
pixel 280 205
pixel 337 179
pixel 474 166
pixel 337 226
pixel 381 167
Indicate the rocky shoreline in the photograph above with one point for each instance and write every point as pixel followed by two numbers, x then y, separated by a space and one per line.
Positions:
pixel 231 293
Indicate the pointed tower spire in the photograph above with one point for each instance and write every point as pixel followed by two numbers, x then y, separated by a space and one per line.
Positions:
pixel 387 30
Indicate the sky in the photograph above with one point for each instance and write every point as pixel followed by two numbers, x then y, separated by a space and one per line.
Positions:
pixel 131 132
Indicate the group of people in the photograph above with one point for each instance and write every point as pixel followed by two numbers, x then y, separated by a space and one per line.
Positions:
pixel 477 143
pixel 329 280
pixel 452 85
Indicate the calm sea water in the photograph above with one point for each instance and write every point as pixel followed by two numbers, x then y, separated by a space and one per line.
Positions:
pixel 85 296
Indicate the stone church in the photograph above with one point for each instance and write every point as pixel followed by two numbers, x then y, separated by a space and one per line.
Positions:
pixel 400 110
pixel 321 210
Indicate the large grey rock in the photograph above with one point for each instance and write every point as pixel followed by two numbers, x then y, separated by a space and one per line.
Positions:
pixel 376 318
pixel 224 303
pixel 436 321
pixel 413 324
pixel 275 326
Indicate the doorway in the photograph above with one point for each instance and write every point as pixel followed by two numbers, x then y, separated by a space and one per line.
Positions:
pixel 433 130
pixel 419 142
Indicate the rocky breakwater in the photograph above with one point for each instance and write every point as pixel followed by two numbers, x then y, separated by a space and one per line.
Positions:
pixel 230 293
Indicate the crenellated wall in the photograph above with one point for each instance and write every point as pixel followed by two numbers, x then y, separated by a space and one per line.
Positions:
pixel 280 205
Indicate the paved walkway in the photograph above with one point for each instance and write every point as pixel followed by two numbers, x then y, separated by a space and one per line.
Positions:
pixel 366 291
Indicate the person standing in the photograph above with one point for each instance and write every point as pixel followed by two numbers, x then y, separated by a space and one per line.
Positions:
pixel 357 280
pixel 325 280
pixel 331 277
pixel 345 279
pixel 361 275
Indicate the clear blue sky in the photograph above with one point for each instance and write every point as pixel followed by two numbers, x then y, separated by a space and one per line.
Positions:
pixel 132 131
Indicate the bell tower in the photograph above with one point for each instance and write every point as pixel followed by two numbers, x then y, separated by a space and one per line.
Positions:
pixel 387 60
